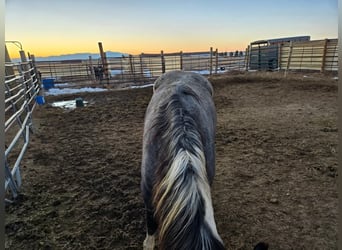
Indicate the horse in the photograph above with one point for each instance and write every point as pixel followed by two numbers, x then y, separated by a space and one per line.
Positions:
pixel 178 164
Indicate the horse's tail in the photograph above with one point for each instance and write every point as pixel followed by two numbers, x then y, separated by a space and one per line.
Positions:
pixel 182 198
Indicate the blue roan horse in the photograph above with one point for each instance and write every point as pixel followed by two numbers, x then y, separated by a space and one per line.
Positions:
pixel 178 164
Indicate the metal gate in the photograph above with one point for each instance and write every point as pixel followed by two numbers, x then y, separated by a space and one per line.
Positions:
pixel 21 89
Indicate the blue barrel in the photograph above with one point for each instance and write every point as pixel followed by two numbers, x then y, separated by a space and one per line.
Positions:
pixel 40 99
pixel 48 83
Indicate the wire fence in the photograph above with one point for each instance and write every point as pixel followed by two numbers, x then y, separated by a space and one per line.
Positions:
pixel 21 89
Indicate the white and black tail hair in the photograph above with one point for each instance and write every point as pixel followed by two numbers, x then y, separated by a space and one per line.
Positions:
pixel 181 196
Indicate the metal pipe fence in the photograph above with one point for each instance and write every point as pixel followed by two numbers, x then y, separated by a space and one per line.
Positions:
pixel 21 89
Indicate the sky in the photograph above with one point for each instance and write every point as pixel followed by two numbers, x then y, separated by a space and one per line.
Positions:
pixel 56 27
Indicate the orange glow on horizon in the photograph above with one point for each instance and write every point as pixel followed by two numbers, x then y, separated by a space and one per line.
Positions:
pixel 45 51
pixel 49 46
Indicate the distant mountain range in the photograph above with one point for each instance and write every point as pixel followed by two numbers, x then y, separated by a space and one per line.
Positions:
pixel 76 56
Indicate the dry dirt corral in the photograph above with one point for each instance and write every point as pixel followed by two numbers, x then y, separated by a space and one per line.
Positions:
pixel 276 164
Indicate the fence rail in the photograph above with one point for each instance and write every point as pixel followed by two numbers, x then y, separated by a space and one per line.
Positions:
pixel 21 88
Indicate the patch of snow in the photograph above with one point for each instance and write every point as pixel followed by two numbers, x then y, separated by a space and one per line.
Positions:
pixel 147 73
pixel 142 86
pixel 202 72
pixel 114 72
pixel 56 91
pixel 207 72
pixel 62 84
pixel 70 104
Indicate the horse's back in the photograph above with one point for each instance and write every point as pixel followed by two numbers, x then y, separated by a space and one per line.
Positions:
pixel 194 93
pixel 197 82
pixel 178 162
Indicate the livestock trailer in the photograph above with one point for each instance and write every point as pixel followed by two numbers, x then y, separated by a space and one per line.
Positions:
pixel 264 54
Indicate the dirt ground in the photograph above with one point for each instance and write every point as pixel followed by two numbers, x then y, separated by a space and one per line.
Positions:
pixel 276 160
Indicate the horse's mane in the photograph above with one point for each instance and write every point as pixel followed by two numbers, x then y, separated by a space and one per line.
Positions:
pixel 181 196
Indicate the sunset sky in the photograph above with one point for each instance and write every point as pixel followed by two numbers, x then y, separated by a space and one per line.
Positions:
pixel 55 27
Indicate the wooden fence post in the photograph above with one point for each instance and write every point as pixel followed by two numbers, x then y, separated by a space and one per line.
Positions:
pixel 27 74
pixel 162 61
pixel 106 68
pixel 22 56
pixel 28 81
pixel 324 55
pixel 7 57
pixel 91 68
pixel 131 67
pixel 181 60
pixel 104 61
pixel 9 71
pixel 122 67
pixel 211 61
pixel 141 66
pixel 301 58
pixel 289 58
pixel 216 60
pixel 279 56
pixel 37 73
pixel 247 58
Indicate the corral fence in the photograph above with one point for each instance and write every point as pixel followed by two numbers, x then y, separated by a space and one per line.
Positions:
pixel 272 55
pixel 21 88
pixel 142 68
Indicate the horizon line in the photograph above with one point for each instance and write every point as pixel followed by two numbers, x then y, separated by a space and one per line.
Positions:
pixel 125 53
